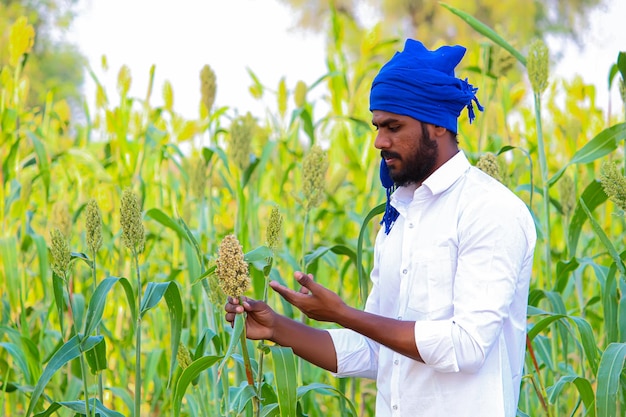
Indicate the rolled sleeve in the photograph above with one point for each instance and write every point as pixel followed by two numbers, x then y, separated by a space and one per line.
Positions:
pixel 357 356
pixel 435 344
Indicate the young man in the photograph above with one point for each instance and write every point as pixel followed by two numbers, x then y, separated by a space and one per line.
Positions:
pixel 443 330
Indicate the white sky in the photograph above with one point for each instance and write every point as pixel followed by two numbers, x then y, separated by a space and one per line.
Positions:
pixel 179 37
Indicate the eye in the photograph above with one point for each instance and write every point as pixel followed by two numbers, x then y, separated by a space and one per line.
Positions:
pixel 394 128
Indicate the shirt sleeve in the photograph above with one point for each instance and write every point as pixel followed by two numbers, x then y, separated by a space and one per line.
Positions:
pixel 494 250
pixel 357 355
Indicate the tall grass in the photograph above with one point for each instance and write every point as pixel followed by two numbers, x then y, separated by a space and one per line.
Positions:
pixel 193 187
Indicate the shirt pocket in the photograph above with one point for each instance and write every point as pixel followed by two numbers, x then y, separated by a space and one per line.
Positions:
pixel 431 283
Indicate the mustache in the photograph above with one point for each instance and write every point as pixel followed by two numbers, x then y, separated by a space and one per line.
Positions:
pixel 389 155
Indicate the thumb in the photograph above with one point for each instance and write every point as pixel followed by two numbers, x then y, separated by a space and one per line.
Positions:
pixel 307 281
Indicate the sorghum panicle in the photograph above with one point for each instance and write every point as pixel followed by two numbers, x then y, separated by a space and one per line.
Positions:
pixel 183 356
pixel 232 269
pixel 314 169
pixel 273 228
pixel 60 250
pixel 537 64
pixel 133 232
pixel 242 130
pixel 502 62
pixel 567 192
pixel 208 87
pixel 300 93
pixel 614 184
pixel 168 95
pixel 94 226
pixel 198 177
pixel 61 217
pixel 489 163
pixel 216 295
pixel 123 80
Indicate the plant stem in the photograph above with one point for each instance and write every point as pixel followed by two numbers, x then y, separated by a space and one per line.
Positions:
pixel 248 368
pixel 543 166
pixel 304 240
pixel 138 341
pixel 100 384
pixel 83 368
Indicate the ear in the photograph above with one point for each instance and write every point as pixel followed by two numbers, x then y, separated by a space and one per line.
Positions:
pixel 439 131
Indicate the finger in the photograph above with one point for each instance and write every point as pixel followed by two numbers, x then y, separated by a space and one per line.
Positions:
pixel 306 280
pixel 287 293
pixel 232 308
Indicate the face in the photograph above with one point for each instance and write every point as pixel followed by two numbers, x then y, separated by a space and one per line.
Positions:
pixel 405 144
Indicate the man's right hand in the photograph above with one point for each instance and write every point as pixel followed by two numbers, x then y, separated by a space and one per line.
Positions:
pixel 260 319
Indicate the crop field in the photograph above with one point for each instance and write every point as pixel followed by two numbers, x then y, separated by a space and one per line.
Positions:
pixel 111 230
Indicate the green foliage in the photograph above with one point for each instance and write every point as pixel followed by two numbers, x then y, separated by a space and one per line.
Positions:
pixel 192 194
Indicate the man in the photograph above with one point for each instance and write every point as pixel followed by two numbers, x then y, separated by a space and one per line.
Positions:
pixel 443 331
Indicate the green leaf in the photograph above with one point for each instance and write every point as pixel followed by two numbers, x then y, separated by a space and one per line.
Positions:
pixel 82 257
pixel 42 159
pixel 174 303
pixel 286 379
pixel 187 376
pixel 235 337
pixel 592 197
pixel 97 303
pixel 167 221
pixel 70 350
pixel 259 254
pixel 8 259
pixel 240 397
pixel 324 389
pixel 485 30
pixel 153 294
pixel 605 240
pixel 608 379
pixel 97 357
pixel 584 389
pixel 363 279
pixel 59 297
pixel 18 356
pixel 307 124
pixel 79 407
pixel 601 145
pixel 621 64
pixel 151 297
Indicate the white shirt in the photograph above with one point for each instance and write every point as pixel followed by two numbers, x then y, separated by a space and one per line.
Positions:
pixel 458 262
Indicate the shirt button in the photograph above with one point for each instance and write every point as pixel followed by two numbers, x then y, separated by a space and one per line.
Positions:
pixel 396 362
pixel 395 407
pixel 404 271
pixel 410 225
pixel 399 317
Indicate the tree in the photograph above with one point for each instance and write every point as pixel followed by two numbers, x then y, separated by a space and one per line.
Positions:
pixel 517 20
pixel 54 66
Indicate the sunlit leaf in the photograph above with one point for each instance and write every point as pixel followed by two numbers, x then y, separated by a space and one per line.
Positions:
pixel 608 379
pixel 187 376
pixel 79 408
pixel 485 30
pixel 286 379
pixel 70 350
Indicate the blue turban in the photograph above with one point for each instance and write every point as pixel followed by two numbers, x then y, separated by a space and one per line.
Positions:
pixel 421 84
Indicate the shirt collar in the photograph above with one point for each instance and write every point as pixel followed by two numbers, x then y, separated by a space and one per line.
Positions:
pixel 447 174
pixel 438 182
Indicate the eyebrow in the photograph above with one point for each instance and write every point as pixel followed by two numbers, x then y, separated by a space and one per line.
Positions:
pixel 386 122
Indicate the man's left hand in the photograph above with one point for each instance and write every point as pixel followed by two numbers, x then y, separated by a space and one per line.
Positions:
pixel 314 300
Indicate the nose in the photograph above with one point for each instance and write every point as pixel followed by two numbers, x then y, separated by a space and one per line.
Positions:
pixel 382 141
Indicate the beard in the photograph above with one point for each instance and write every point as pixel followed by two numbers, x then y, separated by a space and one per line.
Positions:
pixel 417 166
